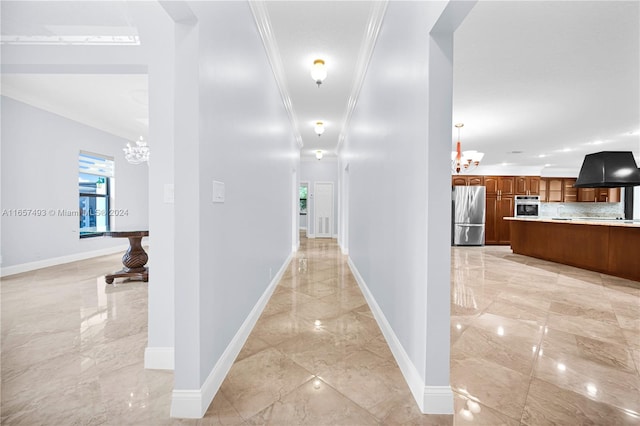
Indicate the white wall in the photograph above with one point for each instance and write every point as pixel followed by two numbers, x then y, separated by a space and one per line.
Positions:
pixel 40 171
pixel 234 129
pixel 312 171
pixel 397 149
pixel 156 31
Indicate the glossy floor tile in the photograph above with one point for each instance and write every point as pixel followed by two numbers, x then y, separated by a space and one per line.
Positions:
pixel 532 343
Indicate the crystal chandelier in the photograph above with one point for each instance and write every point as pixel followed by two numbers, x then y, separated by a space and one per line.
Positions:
pixel 137 154
pixel 464 161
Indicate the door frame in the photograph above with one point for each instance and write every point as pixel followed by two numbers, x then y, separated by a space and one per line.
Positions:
pixel 343 211
pixel 308 184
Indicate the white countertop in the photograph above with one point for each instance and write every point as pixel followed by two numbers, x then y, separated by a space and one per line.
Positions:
pixel 580 221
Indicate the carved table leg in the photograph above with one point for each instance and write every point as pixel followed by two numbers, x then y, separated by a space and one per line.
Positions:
pixel 133 260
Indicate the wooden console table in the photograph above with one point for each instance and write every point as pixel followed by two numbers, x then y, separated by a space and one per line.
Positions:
pixel 134 259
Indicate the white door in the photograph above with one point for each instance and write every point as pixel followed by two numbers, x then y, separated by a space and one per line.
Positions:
pixel 323 209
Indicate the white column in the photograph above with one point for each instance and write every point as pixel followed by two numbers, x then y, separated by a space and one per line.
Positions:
pixel 438 397
pixel 156 31
pixel 187 217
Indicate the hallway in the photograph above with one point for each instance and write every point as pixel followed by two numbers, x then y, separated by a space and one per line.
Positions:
pixel 316 355
pixel 532 343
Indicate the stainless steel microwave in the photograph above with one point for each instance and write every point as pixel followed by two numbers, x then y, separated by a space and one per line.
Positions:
pixel 527 205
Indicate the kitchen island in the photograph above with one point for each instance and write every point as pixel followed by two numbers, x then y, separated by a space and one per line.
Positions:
pixel 608 246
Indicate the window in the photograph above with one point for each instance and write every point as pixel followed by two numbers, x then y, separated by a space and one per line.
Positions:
pixel 94 188
pixel 303 198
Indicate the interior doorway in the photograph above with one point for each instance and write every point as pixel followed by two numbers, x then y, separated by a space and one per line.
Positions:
pixel 303 191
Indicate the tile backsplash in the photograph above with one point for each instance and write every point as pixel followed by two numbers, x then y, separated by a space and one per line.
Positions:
pixel 606 210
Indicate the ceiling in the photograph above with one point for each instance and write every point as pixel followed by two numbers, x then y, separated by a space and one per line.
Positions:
pixel 537 84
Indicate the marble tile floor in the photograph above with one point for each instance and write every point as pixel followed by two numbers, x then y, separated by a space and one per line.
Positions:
pixel 532 343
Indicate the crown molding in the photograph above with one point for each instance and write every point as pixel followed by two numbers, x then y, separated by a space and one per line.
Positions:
pixel 376 16
pixel 263 22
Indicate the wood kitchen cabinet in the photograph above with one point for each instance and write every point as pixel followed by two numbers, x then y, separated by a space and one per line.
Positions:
pixel 496 229
pixel 500 185
pixel 500 192
pixel 558 190
pixel 599 195
pixel 458 180
pixel 569 193
pixel 552 190
pixel 527 185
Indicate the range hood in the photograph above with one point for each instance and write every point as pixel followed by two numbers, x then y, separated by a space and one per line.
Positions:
pixel 608 169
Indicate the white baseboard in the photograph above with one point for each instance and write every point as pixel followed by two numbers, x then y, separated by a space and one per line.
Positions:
pixel 45 263
pixel 437 400
pixel 311 235
pixel 193 404
pixel 430 399
pixel 303 228
pixel 159 358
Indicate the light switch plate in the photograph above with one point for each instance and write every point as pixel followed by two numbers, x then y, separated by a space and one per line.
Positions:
pixel 218 192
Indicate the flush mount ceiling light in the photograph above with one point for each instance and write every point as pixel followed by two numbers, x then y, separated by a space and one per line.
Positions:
pixel 464 161
pixel 319 154
pixel 318 71
pixel 137 154
pixel 319 128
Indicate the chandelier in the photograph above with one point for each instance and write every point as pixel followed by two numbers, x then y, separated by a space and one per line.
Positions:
pixel 137 154
pixel 464 161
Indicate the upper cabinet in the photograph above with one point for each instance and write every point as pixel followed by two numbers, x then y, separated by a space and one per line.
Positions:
pixel 570 193
pixel 500 185
pixel 552 190
pixel 561 190
pixel 599 195
pixel 459 180
pixel 527 185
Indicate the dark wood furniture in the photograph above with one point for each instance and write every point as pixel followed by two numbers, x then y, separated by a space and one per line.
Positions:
pixel 599 195
pixel 527 185
pixel 610 247
pixel 464 180
pixel 134 260
pixel 500 192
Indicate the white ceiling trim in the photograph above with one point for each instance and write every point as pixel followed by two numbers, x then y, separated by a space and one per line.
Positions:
pixel 376 17
pixel 261 16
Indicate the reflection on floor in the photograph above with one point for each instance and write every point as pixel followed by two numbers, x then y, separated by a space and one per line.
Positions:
pixel 532 343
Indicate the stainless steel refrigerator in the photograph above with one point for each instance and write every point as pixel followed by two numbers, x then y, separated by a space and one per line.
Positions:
pixel 467 215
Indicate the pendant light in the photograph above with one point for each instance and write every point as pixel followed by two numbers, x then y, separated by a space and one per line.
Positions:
pixel 464 161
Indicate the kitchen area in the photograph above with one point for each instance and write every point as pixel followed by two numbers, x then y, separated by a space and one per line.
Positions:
pixel 585 221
